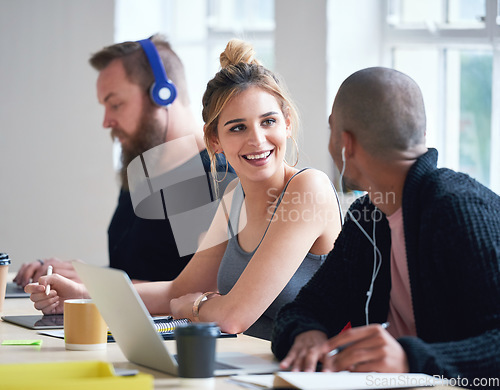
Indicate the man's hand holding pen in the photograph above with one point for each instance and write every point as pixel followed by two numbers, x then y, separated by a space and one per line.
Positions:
pixel 362 349
pixel 365 349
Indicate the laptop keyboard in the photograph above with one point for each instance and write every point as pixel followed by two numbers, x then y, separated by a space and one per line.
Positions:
pixel 219 365
pixel 223 366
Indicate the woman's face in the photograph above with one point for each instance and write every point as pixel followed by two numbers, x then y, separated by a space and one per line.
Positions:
pixel 252 132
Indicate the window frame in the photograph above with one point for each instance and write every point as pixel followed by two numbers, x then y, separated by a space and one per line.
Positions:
pixel 445 37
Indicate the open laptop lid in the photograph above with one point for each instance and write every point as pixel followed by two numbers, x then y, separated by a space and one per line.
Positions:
pixel 126 316
pixel 132 327
pixel 37 322
pixel 12 290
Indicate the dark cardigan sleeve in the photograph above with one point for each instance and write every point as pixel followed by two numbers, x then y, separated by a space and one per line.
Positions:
pixel 458 323
pixel 474 358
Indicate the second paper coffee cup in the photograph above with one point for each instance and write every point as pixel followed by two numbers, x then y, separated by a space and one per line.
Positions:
pixel 196 349
pixel 84 328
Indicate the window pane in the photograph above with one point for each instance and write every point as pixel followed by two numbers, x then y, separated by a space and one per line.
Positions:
pixel 459 124
pixel 466 11
pixel 422 66
pixel 239 15
pixel 475 113
pixel 428 14
pixel 498 12
pixel 411 12
pixel 420 11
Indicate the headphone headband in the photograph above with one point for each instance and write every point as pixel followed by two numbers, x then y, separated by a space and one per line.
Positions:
pixel 162 91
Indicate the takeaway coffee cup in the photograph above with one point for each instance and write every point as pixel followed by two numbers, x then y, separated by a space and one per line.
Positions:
pixel 84 328
pixel 196 351
pixel 4 270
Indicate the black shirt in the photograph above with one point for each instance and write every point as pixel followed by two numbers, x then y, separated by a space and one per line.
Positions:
pixel 146 248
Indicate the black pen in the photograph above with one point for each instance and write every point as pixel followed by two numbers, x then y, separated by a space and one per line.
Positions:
pixel 335 351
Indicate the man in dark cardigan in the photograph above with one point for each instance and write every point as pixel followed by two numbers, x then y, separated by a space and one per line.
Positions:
pixel 420 250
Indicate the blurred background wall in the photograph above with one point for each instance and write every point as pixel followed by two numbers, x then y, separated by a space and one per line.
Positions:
pixel 58 186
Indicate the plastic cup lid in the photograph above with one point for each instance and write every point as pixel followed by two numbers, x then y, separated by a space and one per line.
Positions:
pixel 4 259
pixel 198 328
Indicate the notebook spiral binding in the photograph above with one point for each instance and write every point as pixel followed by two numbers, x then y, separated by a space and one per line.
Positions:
pixel 168 326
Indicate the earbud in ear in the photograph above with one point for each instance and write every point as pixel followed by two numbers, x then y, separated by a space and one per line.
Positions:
pixel 343 154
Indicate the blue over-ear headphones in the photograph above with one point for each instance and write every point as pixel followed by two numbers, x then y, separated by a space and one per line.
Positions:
pixel 162 91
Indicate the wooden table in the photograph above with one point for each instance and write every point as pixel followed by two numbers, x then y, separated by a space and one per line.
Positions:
pixel 53 350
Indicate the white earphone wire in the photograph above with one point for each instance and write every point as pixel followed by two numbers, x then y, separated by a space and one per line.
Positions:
pixel 377 256
pixel 341 187
pixel 377 260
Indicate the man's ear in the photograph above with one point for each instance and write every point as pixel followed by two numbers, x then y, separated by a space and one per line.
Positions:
pixel 348 140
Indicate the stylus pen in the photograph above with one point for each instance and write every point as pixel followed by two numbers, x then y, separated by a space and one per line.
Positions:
pixel 335 351
pixel 47 287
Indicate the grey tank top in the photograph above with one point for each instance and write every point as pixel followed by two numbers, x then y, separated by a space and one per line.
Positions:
pixel 235 260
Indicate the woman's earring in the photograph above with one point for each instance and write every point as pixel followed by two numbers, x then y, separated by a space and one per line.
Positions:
pixel 227 168
pixel 297 155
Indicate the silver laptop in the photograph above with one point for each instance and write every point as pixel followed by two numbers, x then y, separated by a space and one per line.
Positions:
pixel 132 327
pixel 12 290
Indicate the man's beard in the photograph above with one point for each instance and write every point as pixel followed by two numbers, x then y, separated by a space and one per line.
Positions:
pixel 149 134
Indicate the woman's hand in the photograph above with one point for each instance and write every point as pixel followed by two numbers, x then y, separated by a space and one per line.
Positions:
pixel 182 307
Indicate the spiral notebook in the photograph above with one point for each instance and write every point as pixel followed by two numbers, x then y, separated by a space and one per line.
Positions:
pixel 167 324
pixel 52 325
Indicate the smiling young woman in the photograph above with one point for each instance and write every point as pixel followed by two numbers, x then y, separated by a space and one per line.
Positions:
pixel 264 255
pixel 263 245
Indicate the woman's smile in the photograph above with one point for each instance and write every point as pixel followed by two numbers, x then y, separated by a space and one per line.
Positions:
pixel 259 158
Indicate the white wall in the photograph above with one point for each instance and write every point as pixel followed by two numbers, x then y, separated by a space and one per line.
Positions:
pixel 300 48
pixel 319 43
pixel 58 189
pixel 354 40
pixel 354 43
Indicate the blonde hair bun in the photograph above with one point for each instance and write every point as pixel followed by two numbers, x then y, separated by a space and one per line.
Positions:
pixel 238 51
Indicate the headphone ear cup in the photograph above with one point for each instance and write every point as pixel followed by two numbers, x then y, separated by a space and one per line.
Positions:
pixel 162 92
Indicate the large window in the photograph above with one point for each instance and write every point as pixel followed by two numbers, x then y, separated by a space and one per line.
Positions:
pixel 450 48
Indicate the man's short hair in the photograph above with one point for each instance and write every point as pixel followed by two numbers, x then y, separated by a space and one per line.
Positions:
pixel 383 108
pixel 137 66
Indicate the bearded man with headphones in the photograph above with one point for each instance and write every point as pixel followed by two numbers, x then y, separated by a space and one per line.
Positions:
pixel 420 251
pixel 142 86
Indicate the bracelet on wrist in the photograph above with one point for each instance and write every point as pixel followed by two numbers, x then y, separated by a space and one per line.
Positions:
pixel 197 303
